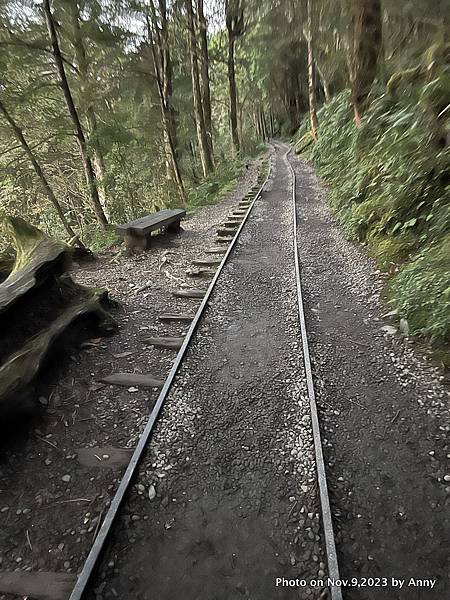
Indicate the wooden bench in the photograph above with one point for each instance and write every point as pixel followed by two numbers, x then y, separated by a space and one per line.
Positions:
pixel 137 234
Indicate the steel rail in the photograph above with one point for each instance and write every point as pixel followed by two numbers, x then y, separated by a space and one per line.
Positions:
pixel 105 529
pixel 327 521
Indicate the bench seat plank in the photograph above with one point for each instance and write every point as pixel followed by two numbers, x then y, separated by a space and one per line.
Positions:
pixel 145 225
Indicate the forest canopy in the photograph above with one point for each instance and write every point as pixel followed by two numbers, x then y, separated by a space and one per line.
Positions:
pixel 110 109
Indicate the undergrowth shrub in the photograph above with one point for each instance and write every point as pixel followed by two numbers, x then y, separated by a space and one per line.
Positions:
pixel 421 290
pixel 390 189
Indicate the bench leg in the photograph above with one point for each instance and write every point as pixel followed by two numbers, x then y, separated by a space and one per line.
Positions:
pixel 137 243
pixel 129 243
pixel 174 227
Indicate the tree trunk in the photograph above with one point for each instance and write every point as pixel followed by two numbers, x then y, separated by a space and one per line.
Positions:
pixel 272 123
pixel 263 125
pixel 205 154
pixel 163 73
pixel 166 74
pixel 204 63
pixel 234 18
pixel 367 38
pixel 325 84
pixel 311 78
pixel 39 172
pixel 233 93
pixel 79 133
pixel 80 55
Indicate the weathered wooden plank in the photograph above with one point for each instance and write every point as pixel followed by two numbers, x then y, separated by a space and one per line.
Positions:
pixel 189 293
pixel 149 223
pixel 167 343
pixel 132 379
pixel 200 272
pixel 215 250
pixel 108 457
pixel 206 262
pixel 42 585
pixel 184 317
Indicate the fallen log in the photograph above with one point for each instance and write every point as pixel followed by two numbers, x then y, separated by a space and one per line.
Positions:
pixel 38 257
pixel 18 373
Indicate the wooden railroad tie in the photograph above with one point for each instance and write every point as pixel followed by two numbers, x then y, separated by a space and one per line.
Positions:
pixel 165 342
pixel 183 317
pixel 189 293
pixel 200 272
pixel 132 379
pixel 215 250
pixel 206 262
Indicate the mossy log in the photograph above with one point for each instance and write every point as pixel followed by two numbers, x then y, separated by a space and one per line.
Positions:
pixel 301 144
pixel 38 257
pixel 20 370
pixel 6 264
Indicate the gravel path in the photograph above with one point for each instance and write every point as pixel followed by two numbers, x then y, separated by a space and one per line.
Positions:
pixel 384 413
pixel 231 462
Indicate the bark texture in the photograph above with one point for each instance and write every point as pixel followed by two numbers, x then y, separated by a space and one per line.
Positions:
pixel 311 73
pixel 79 133
pixel 205 153
pixel 234 16
pixel 367 37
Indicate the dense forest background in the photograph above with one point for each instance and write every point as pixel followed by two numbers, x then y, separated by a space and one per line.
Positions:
pixel 110 109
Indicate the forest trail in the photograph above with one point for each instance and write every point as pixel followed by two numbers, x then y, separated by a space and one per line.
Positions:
pixel 230 471
pixel 238 507
pixel 116 111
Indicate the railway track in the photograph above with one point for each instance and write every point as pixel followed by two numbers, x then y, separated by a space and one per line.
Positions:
pixel 91 562
pixel 84 584
pixel 327 522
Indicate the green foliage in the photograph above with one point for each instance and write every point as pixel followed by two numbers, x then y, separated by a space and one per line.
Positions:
pixel 98 240
pixel 390 190
pixel 216 185
pixel 421 290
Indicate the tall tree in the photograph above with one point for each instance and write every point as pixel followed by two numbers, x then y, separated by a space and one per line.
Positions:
pixel 204 70
pixel 367 38
pixel 234 18
pixel 83 70
pixel 162 65
pixel 79 133
pixel 311 72
pixel 205 151
pixel 48 191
